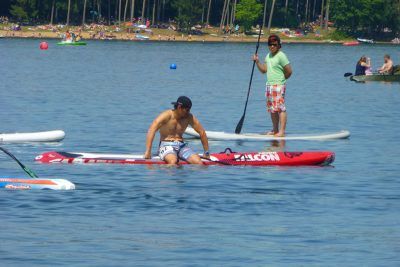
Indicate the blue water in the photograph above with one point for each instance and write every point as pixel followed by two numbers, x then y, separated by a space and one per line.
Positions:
pixel 105 95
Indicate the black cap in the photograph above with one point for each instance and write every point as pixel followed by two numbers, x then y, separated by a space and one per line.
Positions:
pixel 184 101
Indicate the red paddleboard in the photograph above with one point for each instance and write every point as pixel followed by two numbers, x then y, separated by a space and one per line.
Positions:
pixel 224 158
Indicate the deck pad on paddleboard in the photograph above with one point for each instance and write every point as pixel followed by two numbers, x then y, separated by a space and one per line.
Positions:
pixel 38 183
pixel 214 135
pixel 224 158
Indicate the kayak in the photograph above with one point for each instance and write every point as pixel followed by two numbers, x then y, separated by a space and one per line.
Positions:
pixel 223 158
pixel 375 77
pixel 213 135
pixel 367 41
pixel 47 136
pixel 39 183
pixel 71 43
pixel 352 43
pixel 141 37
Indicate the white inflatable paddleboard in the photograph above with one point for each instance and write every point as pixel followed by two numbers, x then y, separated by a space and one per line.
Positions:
pixel 36 183
pixel 48 136
pixel 263 137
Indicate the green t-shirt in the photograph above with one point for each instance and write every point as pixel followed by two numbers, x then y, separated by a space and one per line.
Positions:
pixel 275 65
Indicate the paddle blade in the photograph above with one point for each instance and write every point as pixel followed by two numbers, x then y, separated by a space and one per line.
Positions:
pixel 347 74
pixel 26 169
pixel 239 125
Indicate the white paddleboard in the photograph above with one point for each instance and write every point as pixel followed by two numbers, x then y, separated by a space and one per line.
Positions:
pixel 48 136
pixel 263 137
pixel 36 183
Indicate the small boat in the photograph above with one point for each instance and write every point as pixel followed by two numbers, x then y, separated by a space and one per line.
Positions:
pixel 227 157
pixel 141 37
pixel 376 77
pixel 352 43
pixel 367 41
pixel 48 136
pixel 39 183
pixel 78 43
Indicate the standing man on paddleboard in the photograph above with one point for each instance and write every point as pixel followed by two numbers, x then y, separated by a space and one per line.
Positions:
pixel 278 69
pixel 172 124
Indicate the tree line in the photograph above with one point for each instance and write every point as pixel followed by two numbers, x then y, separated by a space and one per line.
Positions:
pixel 353 17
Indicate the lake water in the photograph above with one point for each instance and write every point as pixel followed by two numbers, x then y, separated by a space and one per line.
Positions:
pixel 105 95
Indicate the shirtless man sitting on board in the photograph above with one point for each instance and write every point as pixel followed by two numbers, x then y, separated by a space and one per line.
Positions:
pixel 172 124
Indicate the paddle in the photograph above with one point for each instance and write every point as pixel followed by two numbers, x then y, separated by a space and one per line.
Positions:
pixel 347 74
pixel 26 169
pixel 240 123
pixel 217 161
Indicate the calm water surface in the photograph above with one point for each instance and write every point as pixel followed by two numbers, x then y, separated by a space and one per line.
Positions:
pixel 105 95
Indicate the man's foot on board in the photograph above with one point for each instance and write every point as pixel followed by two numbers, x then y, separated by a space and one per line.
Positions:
pixel 279 134
pixel 270 133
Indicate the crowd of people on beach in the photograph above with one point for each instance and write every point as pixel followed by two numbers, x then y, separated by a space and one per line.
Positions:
pixel 3 19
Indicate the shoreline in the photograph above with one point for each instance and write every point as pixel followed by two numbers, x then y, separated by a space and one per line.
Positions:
pixel 162 35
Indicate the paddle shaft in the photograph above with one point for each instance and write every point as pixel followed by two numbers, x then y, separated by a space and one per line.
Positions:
pixel 240 123
pixel 26 169
pixel 216 161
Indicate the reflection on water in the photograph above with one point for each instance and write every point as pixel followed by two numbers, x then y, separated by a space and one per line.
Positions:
pixel 276 146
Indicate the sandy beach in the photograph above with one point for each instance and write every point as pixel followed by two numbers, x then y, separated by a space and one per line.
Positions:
pixel 129 34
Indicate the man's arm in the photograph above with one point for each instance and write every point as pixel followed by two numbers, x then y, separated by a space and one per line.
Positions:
pixel 260 66
pixel 383 68
pixel 287 71
pixel 196 125
pixel 156 124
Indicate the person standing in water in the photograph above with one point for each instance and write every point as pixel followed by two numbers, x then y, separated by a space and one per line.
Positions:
pixel 278 70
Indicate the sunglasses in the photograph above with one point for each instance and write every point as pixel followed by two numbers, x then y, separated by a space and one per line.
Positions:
pixel 275 45
pixel 185 108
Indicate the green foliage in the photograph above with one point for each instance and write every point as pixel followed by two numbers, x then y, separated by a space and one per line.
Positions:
pixel 248 12
pixel 24 9
pixel 18 12
pixel 337 35
pixel 189 13
pixel 368 17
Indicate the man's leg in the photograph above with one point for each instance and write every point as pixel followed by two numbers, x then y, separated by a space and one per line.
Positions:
pixel 275 122
pixel 282 121
pixel 195 159
pixel 171 159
